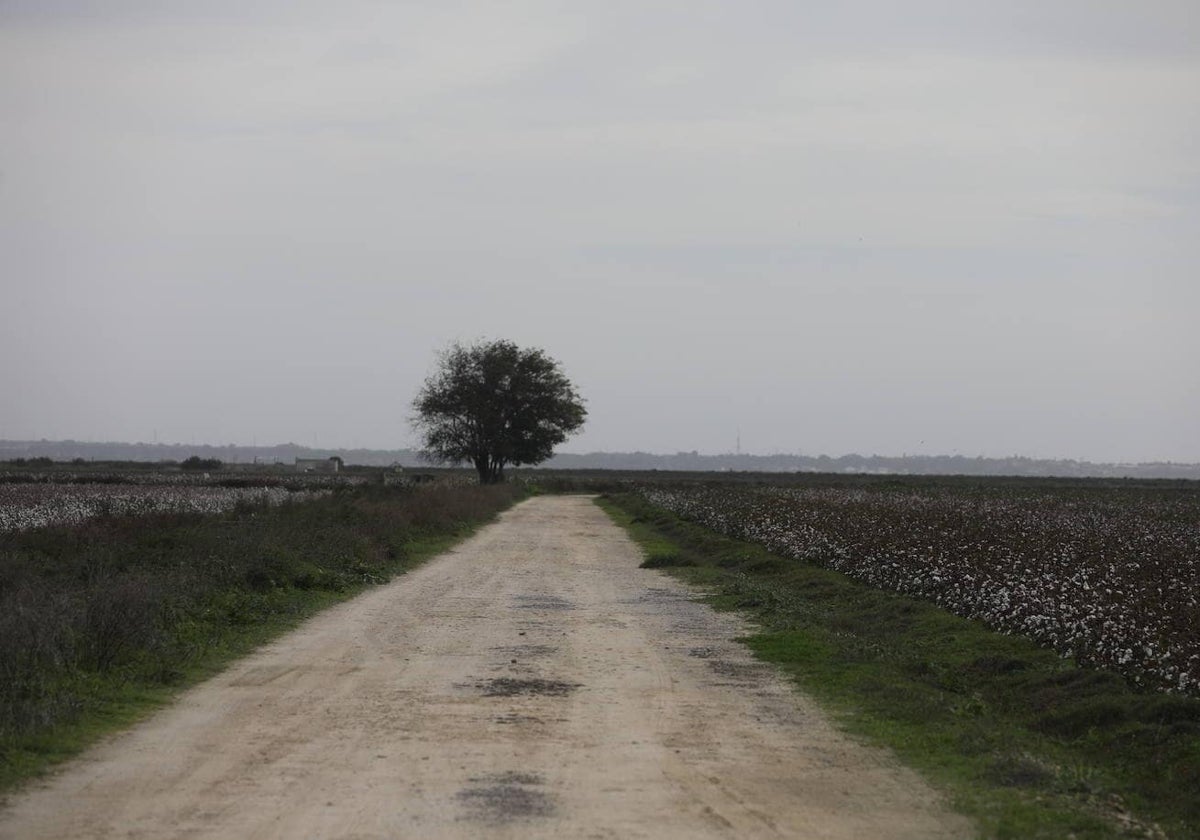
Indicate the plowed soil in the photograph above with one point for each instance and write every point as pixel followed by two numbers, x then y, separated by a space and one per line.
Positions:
pixel 534 682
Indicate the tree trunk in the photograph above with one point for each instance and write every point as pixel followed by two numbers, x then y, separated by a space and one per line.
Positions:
pixel 490 472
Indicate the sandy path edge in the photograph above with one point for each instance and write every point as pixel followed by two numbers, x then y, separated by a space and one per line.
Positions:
pixel 533 682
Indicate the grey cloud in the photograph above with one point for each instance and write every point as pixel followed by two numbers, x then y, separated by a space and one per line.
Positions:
pixel 841 227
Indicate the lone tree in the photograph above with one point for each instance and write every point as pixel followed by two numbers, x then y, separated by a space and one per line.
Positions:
pixel 492 404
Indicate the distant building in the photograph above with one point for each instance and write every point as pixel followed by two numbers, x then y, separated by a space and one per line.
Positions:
pixel 319 465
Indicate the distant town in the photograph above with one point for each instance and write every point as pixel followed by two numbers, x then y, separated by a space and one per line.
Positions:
pixel 291 454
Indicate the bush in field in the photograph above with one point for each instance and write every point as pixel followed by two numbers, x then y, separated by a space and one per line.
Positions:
pixel 197 464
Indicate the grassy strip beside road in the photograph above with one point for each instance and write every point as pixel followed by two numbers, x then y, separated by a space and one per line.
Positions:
pixel 103 622
pixel 1029 745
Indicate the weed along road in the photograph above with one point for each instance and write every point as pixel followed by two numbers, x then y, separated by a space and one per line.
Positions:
pixel 533 682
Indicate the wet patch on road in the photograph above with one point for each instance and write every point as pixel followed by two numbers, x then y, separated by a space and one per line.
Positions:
pixel 518 720
pixel 530 651
pixel 502 797
pixel 739 674
pixel 657 595
pixel 542 602
pixel 513 687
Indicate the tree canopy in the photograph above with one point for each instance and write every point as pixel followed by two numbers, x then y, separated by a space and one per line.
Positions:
pixel 494 404
pixel 195 462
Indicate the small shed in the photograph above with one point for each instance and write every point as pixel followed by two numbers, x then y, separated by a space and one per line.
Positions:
pixel 319 465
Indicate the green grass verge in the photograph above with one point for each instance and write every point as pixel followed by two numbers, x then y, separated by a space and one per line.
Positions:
pixel 1023 742
pixel 109 622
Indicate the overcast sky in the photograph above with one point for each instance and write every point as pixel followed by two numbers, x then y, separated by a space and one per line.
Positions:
pixel 867 226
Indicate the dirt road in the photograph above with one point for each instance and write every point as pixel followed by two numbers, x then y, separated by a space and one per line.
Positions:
pixel 534 682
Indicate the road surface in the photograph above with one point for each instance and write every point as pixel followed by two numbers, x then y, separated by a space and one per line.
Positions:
pixel 533 682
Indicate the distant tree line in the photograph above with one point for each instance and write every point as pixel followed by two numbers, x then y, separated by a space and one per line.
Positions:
pixel 197 463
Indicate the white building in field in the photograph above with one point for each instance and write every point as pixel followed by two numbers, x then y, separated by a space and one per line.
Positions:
pixel 319 465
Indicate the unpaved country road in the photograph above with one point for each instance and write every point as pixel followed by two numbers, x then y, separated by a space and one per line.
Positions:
pixel 533 682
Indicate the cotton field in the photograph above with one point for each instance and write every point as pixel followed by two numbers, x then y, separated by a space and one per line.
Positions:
pixel 291 481
pixel 1110 576
pixel 36 505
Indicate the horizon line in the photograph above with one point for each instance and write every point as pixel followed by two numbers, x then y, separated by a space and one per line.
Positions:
pixel 602 452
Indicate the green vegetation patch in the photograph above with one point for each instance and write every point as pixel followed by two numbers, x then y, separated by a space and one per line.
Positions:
pixel 102 622
pixel 1028 744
